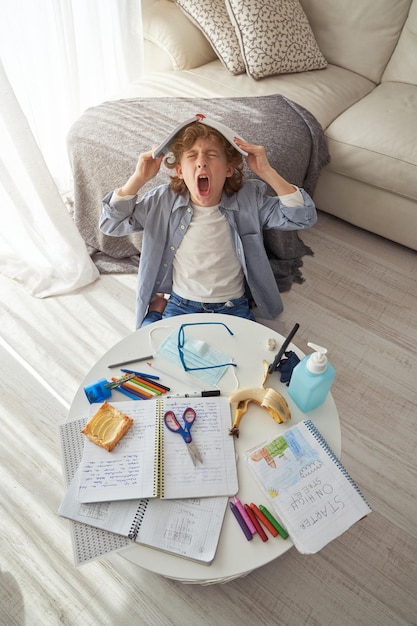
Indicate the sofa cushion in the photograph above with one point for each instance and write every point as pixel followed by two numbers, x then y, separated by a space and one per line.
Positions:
pixel 275 38
pixel 402 66
pixel 185 45
pixel 213 20
pixel 325 93
pixel 375 140
pixel 359 35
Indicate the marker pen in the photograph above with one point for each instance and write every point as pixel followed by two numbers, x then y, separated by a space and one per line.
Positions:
pixel 196 394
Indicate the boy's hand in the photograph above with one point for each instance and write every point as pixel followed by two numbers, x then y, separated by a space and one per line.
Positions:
pixel 146 168
pixel 256 159
pixel 259 164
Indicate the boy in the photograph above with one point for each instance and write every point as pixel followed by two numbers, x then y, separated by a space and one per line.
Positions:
pixel 202 232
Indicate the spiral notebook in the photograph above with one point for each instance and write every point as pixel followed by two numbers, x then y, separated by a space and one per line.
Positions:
pixel 189 528
pixel 308 487
pixel 151 461
pixel 227 132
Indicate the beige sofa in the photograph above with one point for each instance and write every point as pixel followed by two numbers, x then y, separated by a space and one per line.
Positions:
pixel 365 99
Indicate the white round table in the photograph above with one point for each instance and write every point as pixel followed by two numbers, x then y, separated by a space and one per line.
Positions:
pixel 248 347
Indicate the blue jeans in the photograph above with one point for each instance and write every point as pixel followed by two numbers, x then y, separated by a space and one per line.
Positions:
pixel 179 306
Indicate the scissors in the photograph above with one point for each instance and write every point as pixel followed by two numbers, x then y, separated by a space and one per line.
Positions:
pixel 173 424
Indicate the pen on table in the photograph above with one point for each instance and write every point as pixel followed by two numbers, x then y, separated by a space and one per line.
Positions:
pixel 240 521
pixel 140 358
pixel 147 385
pixel 274 522
pixel 264 520
pixel 145 375
pixel 118 381
pixel 196 394
pixel 284 346
pixel 127 393
pixel 245 516
pixel 152 383
pixel 131 391
pixel 255 522
pixel 141 391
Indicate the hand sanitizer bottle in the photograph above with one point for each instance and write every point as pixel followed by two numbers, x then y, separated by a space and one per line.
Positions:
pixel 311 379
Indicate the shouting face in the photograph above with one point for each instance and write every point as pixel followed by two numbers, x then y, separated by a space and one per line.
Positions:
pixel 204 169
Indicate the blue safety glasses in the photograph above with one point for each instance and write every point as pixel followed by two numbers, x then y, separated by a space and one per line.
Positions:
pixel 181 341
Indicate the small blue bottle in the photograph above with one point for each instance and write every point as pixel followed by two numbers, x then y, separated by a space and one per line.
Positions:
pixel 311 379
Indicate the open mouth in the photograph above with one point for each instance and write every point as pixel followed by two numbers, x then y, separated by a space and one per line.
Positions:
pixel 203 185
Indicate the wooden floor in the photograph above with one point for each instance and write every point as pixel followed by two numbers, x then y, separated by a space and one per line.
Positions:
pixel 360 301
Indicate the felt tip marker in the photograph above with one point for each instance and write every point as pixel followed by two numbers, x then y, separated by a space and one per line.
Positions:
pixel 240 521
pixel 196 394
pixel 128 394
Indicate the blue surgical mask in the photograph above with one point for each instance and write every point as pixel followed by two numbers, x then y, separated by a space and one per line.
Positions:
pixel 197 353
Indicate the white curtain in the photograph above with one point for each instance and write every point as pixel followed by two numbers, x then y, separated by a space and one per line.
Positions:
pixel 58 57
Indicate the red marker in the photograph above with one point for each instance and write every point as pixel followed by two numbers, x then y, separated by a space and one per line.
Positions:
pixel 255 522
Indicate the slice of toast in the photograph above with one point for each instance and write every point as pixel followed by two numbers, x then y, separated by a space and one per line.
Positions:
pixel 107 426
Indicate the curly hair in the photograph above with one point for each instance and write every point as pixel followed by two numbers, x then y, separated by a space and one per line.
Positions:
pixel 186 139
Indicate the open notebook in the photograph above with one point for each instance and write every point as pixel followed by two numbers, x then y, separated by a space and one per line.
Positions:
pixel 151 461
pixel 189 528
pixel 310 490
pixel 227 132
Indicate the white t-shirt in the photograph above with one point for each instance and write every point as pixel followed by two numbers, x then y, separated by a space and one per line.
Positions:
pixel 206 268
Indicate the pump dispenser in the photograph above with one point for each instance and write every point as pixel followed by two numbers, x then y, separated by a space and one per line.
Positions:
pixel 311 379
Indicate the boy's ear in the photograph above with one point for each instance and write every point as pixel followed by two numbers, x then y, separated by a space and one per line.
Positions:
pixel 230 171
pixel 178 171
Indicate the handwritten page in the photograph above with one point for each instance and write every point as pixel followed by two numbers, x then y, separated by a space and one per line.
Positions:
pixel 217 475
pixel 189 528
pixel 137 468
pixel 129 470
pixel 308 487
pixel 116 516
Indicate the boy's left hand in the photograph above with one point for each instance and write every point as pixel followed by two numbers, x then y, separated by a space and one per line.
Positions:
pixel 259 164
pixel 256 159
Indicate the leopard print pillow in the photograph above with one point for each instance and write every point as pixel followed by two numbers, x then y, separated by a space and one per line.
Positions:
pixel 275 37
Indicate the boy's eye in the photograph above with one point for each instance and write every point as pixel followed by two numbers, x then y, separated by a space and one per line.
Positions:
pixel 209 155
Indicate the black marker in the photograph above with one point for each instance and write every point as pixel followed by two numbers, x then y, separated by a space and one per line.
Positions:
pixel 284 346
pixel 196 394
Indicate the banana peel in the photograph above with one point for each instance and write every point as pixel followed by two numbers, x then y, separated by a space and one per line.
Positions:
pixel 265 397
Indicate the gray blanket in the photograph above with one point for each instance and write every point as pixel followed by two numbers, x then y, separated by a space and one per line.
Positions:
pixel 106 140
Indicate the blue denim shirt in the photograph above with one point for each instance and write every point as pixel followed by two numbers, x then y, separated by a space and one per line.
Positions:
pixel 164 217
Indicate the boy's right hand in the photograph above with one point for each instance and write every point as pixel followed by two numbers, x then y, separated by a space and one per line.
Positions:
pixel 146 168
